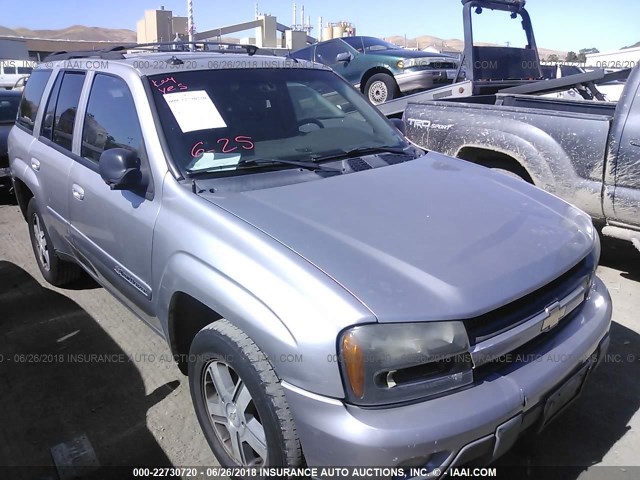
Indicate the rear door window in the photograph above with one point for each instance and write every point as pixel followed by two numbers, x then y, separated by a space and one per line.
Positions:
pixel 66 106
pixel 46 130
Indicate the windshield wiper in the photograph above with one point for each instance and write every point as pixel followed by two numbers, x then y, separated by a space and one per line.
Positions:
pixel 262 161
pixel 297 163
pixel 356 152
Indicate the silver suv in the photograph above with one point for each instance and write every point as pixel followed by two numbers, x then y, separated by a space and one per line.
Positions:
pixel 335 296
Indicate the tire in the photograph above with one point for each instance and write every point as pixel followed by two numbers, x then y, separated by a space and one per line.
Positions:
pixel 245 400
pixel 381 88
pixel 55 271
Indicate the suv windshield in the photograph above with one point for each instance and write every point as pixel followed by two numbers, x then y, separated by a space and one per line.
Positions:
pixel 222 119
pixel 372 44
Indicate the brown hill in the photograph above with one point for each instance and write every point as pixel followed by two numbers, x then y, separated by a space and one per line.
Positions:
pixel 454 44
pixel 80 32
pixel 4 31
pixel 75 32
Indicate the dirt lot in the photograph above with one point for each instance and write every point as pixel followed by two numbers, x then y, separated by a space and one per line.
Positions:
pixel 133 404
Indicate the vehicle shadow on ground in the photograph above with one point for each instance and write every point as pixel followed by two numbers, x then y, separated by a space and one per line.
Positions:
pixel 83 282
pixel 7 197
pixel 62 377
pixel 589 428
pixel 621 256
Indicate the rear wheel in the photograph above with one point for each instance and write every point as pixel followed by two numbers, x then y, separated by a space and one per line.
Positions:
pixel 381 88
pixel 239 401
pixel 55 271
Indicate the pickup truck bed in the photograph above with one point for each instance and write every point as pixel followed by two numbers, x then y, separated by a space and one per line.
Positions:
pixel 518 125
pixel 587 153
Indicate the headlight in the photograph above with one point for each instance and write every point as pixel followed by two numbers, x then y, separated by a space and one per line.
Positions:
pixel 414 62
pixel 391 363
pixel 411 62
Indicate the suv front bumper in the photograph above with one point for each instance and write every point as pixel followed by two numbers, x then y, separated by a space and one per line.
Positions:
pixel 479 423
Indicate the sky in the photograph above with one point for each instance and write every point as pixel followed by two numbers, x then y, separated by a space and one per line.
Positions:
pixel 558 24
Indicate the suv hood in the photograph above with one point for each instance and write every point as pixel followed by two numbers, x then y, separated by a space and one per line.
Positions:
pixel 429 239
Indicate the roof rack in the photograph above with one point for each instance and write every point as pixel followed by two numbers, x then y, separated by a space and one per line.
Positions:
pixel 117 53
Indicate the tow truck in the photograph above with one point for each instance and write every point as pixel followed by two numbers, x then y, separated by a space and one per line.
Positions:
pixel 487 70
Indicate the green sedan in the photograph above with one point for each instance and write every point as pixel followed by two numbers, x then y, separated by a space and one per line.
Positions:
pixel 382 71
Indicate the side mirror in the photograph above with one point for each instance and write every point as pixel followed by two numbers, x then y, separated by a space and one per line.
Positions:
pixel 120 169
pixel 399 124
pixel 344 57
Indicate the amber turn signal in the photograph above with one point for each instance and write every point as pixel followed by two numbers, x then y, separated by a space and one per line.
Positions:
pixel 353 358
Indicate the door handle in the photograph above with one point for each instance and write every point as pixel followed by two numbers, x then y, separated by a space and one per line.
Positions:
pixel 635 142
pixel 35 164
pixel 78 192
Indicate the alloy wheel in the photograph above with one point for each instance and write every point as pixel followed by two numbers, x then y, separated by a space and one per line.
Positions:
pixel 378 92
pixel 41 243
pixel 233 414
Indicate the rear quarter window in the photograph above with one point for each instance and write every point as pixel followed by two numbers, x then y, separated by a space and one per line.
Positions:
pixel 31 98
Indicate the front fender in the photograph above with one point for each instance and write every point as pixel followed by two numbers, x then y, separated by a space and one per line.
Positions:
pixel 187 274
pixel 293 354
pixel 292 311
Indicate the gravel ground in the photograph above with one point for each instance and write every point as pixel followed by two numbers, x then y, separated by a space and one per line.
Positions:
pixel 133 404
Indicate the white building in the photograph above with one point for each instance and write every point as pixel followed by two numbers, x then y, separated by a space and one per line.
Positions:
pixel 627 58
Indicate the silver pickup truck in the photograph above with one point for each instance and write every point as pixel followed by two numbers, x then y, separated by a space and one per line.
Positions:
pixel 336 296
pixel 587 153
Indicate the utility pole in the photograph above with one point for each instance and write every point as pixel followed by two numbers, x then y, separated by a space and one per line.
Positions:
pixel 191 26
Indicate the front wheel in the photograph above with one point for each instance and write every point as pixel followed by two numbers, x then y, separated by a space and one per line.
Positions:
pixel 381 88
pixel 239 401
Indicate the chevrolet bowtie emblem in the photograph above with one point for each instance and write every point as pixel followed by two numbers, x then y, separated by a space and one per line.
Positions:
pixel 555 312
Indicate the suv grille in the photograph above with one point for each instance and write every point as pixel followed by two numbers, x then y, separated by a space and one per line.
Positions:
pixel 515 313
